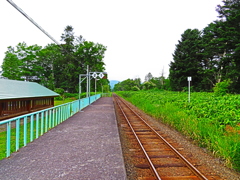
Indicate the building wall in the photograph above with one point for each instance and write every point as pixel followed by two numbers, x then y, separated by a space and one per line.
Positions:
pixel 12 108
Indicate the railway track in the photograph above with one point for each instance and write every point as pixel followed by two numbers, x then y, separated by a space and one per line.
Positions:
pixel 154 156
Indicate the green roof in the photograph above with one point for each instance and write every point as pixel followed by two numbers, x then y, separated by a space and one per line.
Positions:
pixel 12 89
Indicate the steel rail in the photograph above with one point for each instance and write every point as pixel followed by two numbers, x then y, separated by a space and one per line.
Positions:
pixel 190 166
pixel 139 142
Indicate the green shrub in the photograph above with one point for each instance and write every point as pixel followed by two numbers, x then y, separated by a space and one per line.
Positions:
pixel 135 88
pixel 221 88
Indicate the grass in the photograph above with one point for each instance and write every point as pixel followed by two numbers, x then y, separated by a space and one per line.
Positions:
pixel 3 137
pixel 2 145
pixel 59 102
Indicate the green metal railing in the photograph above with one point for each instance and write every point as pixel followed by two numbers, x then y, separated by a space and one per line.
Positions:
pixel 24 129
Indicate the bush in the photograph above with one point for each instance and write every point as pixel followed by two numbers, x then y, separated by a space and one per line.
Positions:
pixel 60 91
pixel 135 88
pixel 148 85
pixel 221 88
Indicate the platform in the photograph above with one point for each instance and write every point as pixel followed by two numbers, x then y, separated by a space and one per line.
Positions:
pixel 86 146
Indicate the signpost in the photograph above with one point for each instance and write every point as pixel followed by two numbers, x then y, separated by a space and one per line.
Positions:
pixel 189 80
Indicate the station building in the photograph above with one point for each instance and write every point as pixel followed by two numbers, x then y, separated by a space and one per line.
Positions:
pixel 21 97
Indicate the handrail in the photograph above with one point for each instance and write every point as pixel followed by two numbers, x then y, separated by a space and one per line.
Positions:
pixel 30 126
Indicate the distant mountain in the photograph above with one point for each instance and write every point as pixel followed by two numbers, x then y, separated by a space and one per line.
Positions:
pixel 113 82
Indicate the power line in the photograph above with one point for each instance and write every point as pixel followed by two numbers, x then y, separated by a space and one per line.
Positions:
pixel 39 27
pixel 31 20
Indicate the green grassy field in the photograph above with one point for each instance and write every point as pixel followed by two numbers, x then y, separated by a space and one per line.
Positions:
pixel 212 121
pixel 59 102
pixel 3 136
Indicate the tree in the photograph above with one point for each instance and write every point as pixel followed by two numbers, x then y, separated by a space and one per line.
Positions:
pixel 49 58
pixel 148 77
pixel 214 55
pixel 229 15
pixel 24 61
pixel 10 66
pixel 77 54
pixel 88 54
pixel 148 85
pixel 187 60
pixel 127 85
pixel 56 66
pixel 67 65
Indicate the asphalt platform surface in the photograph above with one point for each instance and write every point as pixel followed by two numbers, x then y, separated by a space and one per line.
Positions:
pixel 86 146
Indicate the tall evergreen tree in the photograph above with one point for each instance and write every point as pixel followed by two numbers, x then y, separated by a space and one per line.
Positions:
pixel 67 64
pixel 187 61
pixel 229 15
pixel 213 52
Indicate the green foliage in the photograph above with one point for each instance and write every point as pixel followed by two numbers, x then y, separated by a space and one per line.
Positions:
pixel 59 91
pixel 56 66
pixel 135 88
pixel 221 88
pixel 212 55
pixel 205 119
pixel 11 66
pixel 187 59
pixel 135 84
pixel 128 85
pixel 22 64
pixel 148 85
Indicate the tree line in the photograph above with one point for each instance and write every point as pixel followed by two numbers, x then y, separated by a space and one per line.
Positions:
pixel 210 56
pixel 56 66
pixel 150 82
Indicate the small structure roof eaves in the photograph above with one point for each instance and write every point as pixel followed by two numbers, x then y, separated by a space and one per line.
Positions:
pixel 12 89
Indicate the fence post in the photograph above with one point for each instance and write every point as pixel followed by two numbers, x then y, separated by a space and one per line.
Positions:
pixel 8 139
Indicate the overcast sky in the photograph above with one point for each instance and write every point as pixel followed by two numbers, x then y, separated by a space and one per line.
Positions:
pixel 140 35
